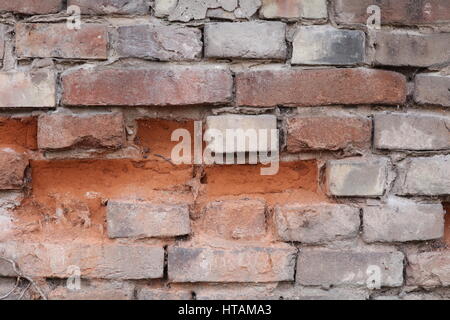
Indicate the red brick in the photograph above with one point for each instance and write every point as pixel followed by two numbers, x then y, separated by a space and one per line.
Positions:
pixel 31 6
pixel 408 12
pixel 159 86
pixel 296 87
pixel 327 133
pixel 61 131
pixel 57 41
pixel 12 169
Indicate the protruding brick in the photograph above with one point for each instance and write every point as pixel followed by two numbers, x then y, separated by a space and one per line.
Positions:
pixel 31 6
pixel 235 219
pixel 165 43
pixel 424 176
pixel 12 169
pixel 331 46
pixel 323 267
pixel 243 264
pixel 89 42
pixel 327 133
pixel 111 6
pixel 248 40
pixel 411 132
pixel 63 131
pixel 104 261
pixel 405 12
pixel 403 220
pixel 147 220
pixel 95 290
pixel 159 86
pixel 29 90
pixel 358 177
pixel 432 89
pixel 410 48
pixel 429 269
pixel 296 87
pixel 294 9
pixel 249 131
pixel 316 223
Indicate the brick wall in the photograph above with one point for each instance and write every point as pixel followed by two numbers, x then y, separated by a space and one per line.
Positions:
pixel 93 204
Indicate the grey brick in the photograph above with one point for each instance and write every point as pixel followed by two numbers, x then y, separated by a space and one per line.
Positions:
pixel 95 290
pixel 111 6
pixel 429 269
pixel 432 89
pixel 294 9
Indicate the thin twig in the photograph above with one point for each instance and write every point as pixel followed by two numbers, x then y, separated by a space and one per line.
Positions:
pixel 13 289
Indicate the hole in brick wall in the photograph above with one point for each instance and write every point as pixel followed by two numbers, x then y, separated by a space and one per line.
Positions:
pixel 447 223
pixel 18 132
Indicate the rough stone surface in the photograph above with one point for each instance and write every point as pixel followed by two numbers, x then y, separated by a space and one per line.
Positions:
pixel 424 176
pixel 62 131
pixel 235 219
pixel 357 177
pixel 164 43
pixel 243 264
pixel 331 46
pixel 111 6
pixel 432 89
pixel 316 223
pixel 38 89
pixel 94 290
pixel 409 48
pixel 146 220
pixel 294 9
pixel 428 269
pixel 403 220
pixel 174 85
pixel 248 40
pixel 411 132
pixel 327 133
pixel 269 88
pixel 163 294
pixel 323 267
pixel 89 42
pixel 12 169
pixel 2 40
pixel 30 7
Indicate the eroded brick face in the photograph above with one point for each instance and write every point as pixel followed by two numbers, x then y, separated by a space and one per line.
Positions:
pixel 225 149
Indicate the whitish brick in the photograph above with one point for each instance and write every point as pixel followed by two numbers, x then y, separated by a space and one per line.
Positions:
pixel 294 9
pixel 411 132
pixel 424 176
pixel 323 267
pixel 429 269
pixel 316 223
pixel 403 220
pixel 111 6
pixel 246 40
pixel 2 40
pixel 242 264
pixel 265 291
pixel 305 293
pixel 30 90
pixel 432 89
pixel 325 45
pixel 95 290
pixel 356 177
pixel 164 294
pixel 165 43
pixel 409 48
pixel 249 130
pixel 163 8
pixel 98 261
pixel 147 220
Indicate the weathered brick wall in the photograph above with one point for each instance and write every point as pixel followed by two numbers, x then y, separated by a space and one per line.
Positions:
pixel 90 188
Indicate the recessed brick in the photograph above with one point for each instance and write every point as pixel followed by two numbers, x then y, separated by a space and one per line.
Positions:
pixel 235 219
pixel 111 6
pixel 411 132
pixel 62 131
pixel 357 177
pixel 296 87
pixel 323 267
pixel 294 9
pixel 159 85
pixel 403 220
pixel 243 264
pixel 327 133
pixel 331 46
pixel 433 89
pixel 165 43
pixel 127 219
pixel 37 89
pixel 12 169
pixel 248 40
pixel 407 12
pixel 89 42
pixel 316 223
pixel 428 269
pixel 31 6
pixel 410 48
